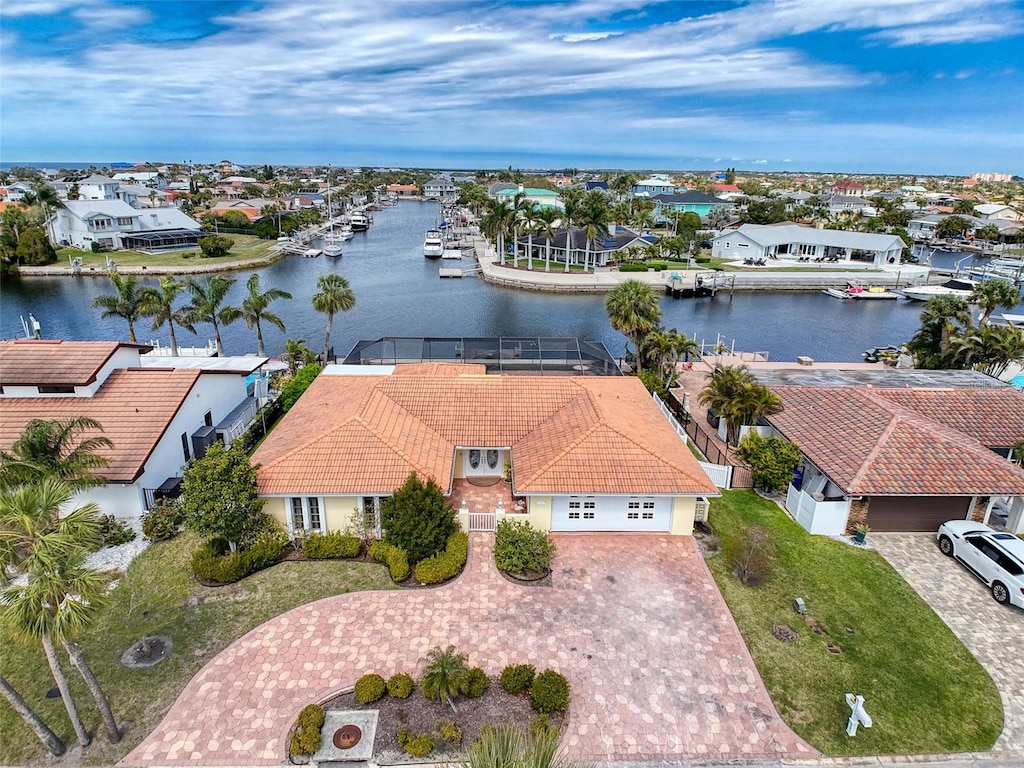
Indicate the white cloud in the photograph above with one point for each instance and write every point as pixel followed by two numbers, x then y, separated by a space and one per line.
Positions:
pixel 98 17
pixel 37 7
pixel 760 162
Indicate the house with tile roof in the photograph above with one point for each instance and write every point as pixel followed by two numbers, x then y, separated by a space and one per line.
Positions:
pixel 586 453
pixel 158 415
pixel 900 450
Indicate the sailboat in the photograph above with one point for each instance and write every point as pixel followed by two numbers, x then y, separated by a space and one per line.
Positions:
pixel 332 241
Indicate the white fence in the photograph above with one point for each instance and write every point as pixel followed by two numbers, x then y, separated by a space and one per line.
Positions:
pixel 482 521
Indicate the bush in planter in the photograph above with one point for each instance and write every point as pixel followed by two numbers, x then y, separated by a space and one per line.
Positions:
pixel 448 730
pixel 370 688
pixel 477 683
pixel 521 548
pixel 400 686
pixel 324 546
pixel 549 692
pixel 419 745
pixel 306 736
pixel 393 557
pixel 444 565
pixel 164 521
pixel 517 678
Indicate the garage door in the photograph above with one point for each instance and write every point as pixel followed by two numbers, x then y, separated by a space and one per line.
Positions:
pixel 611 513
pixel 915 513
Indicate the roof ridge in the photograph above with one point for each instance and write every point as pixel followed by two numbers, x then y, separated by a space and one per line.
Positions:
pixel 862 471
pixel 581 393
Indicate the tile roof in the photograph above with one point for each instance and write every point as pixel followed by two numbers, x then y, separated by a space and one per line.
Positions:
pixel 49 363
pixel 134 407
pixel 993 417
pixel 869 442
pixel 364 434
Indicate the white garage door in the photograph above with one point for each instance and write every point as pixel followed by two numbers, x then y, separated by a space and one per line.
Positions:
pixel 611 513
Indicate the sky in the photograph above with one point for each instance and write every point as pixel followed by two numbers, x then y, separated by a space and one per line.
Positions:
pixel 855 86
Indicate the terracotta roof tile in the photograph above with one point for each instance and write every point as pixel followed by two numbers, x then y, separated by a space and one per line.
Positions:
pixel 867 443
pixel 49 363
pixel 993 417
pixel 134 407
pixel 364 434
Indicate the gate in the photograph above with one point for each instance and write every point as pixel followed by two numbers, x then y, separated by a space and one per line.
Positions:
pixel 482 521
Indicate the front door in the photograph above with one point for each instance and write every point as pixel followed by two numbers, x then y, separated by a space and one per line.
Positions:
pixel 483 462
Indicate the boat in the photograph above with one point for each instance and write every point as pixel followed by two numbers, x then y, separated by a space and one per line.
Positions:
pixel 332 242
pixel 955 287
pixel 854 291
pixel 359 221
pixel 433 244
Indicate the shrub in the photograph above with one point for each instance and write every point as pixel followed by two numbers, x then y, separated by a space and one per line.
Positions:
pixel 445 675
pixel 164 521
pixel 420 745
pixel 324 546
pixel 752 561
pixel 517 678
pixel 418 519
pixel 306 736
pixel 393 557
pixel 521 548
pixel 541 725
pixel 771 459
pixel 298 384
pixel 448 730
pixel 403 736
pixel 113 532
pixel 632 268
pixel 477 683
pixel 215 245
pixel 444 565
pixel 370 688
pixel 400 686
pixel 212 563
pixel 549 692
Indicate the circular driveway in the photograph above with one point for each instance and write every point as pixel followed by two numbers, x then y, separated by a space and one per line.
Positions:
pixel 657 666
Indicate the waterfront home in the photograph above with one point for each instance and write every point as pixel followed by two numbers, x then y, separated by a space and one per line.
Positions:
pixel 158 414
pixel 16 192
pixel 142 197
pixel 792 242
pixel 579 453
pixel 88 186
pixel 573 246
pixel 656 184
pixel 506 193
pixel 403 190
pixel 923 227
pixel 114 224
pixel 899 450
pixel 687 202
pixel 440 188
pixel 151 179
pixel 250 208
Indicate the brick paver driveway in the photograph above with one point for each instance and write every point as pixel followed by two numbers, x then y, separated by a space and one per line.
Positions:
pixel 657 666
pixel 993 633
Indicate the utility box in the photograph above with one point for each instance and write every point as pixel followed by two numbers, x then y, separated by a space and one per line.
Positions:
pixel 202 439
pixel 804 360
pixel 700 511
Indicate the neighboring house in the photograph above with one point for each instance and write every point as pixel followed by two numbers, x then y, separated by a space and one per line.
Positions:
pixel 403 190
pixel 440 188
pixel 838 204
pixel 913 190
pixel 848 188
pixel 115 224
pixel 544 197
pixel 602 251
pixel 587 453
pixel 16 192
pixel 997 211
pixel 141 197
pixel 900 450
pixel 793 242
pixel 157 417
pixel 252 208
pixel 687 202
pixel 151 179
pixel 658 184
pixel 90 187
pixel 602 185
pixel 923 227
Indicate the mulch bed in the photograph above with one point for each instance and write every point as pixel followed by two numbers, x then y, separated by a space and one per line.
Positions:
pixel 418 714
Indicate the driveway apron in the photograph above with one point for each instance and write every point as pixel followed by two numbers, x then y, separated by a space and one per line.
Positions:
pixel 657 666
pixel 993 633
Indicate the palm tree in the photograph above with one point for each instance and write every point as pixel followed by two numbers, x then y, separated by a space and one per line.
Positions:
pixel 255 309
pixel 529 218
pixel 663 349
pixel 32 720
pixel 634 311
pixel 595 217
pixel 127 303
pixel 158 303
pixel 49 202
pixel 546 218
pixel 208 305
pixel 445 675
pixel 494 224
pixel 736 395
pixel 989 349
pixel 52 448
pixel 334 296
pixel 297 354
pixel 989 294
pixel 941 317
pixel 571 201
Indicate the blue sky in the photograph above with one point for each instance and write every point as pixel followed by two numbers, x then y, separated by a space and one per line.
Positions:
pixel 910 86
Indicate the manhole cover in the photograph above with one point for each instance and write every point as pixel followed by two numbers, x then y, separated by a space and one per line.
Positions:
pixel 347 736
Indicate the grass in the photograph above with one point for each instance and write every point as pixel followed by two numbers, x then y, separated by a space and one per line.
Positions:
pixel 247 248
pixel 200 621
pixel 923 689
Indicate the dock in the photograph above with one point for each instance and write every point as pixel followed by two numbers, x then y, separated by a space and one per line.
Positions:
pixel 443 273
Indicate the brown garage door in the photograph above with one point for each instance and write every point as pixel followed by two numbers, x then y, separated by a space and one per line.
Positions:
pixel 914 513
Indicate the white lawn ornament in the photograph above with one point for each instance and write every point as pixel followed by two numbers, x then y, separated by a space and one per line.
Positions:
pixel 857 714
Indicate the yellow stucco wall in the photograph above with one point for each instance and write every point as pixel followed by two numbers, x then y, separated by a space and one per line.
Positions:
pixel 459 465
pixel 338 511
pixel 538 512
pixel 683 508
pixel 277 509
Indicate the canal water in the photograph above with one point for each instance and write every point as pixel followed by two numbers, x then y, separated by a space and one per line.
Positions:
pixel 398 293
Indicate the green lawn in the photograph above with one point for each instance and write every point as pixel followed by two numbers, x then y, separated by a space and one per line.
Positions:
pixel 201 621
pixel 246 248
pixel 923 689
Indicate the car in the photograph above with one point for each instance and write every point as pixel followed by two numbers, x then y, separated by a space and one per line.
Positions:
pixel 995 557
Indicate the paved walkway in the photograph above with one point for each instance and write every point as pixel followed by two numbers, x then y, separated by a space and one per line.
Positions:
pixel 993 633
pixel 657 666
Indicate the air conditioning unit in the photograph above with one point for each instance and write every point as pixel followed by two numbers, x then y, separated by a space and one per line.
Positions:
pixel 202 439
pixel 700 511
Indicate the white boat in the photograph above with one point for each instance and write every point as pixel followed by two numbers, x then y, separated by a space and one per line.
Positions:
pixel 344 232
pixel 854 291
pixel 955 287
pixel 358 221
pixel 332 243
pixel 433 244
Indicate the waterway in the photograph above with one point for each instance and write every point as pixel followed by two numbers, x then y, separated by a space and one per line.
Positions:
pixel 398 293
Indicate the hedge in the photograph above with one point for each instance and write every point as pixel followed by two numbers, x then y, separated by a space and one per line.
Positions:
pixel 324 546
pixel 632 267
pixel 549 692
pixel 393 557
pixel 306 736
pixel 444 565
pixel 211 564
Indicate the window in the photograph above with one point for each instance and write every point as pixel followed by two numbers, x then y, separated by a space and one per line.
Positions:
pixel 101 223
pixel 633 505
pixel 589 505
pixel 56 390
pixel 648 515
pixel 574 505
pixel 298 519
pixel 184 447
pixel 208 419
pixel 588 515
pixel 124 221
pixel 648 505
pixel 632 515
pixel 306 514
pixel 574 515
pixel 314 513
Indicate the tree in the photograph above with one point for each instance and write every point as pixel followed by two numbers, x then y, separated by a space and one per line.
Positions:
pixel 546 218
pixel 34 247
pixel 299 383
pixel 158 303
pixel 255 309
pixel 334 296
pixel 219 496
pixel 964 207
pixel 208 305
pixel 736 395
pixel 990 349
pixel 445 676
pixel 48 201
pixel 126 304
pixel 417 518
pixel 53 449
pixel 595 218
pixel 572 198
pixel 941 318
pixel 32 720
pixel 989 294
pixel 494 224
pixel 662 350
pixel 529 218
pixel 634 311
pixel 297 354
pixel 771 460
pixel 216 245
pixel 952 226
